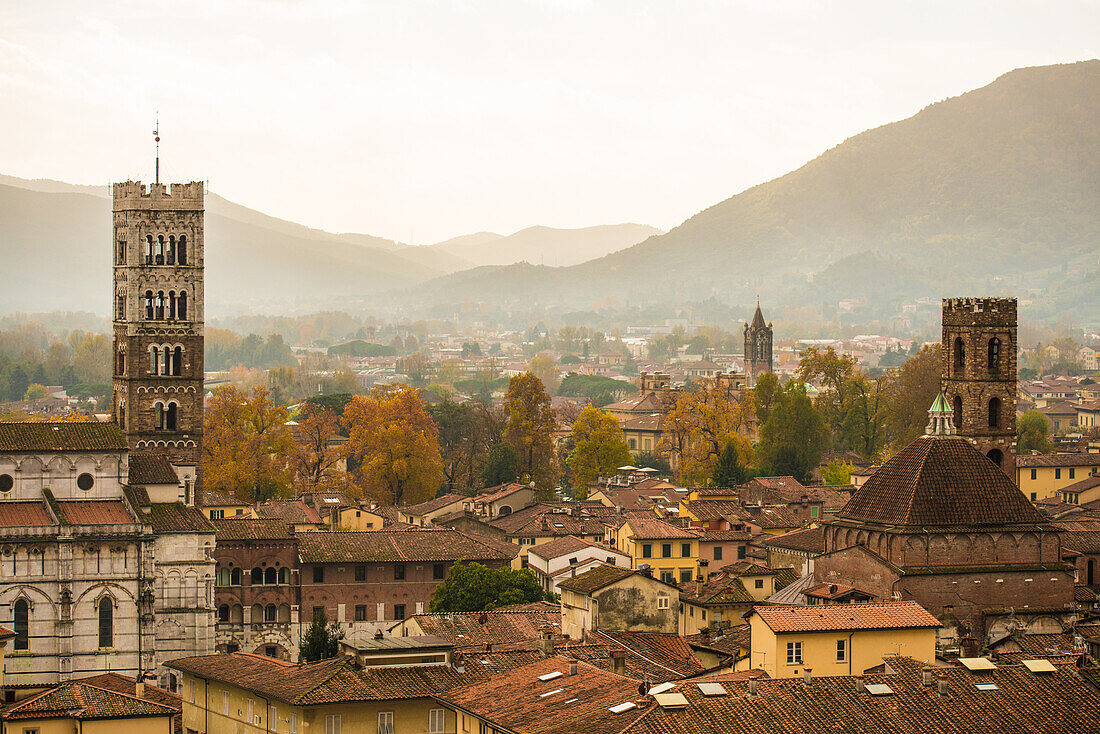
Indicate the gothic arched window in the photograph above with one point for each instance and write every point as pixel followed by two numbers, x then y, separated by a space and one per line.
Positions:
pixel 994 412
pixel 235 577
pixel 106 623
pixel 223 613
pixel 223 576
pixel 181 255
pixel 271 576
pixel 959 354
pixel 957 405
pixel 120 308
pixel 121 362
pixel 170 417
pixel 269 613
pixel 284 575
pixel 257 576
pixel 22 625
pixel 994 356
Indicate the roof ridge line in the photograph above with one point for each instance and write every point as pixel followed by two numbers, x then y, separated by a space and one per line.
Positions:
pixel 927 449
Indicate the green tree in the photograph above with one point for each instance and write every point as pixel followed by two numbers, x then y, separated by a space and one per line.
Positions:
pixel 911 390
pixel 1033 434
pixel 837 473
pixel 863 411
pixel 472 587
pixel 794 438
pixel 321 640
pixel 530 426
pixel 728 472
pixel 501 466
pixel 767 385
pixel 35 391
pixel 598 447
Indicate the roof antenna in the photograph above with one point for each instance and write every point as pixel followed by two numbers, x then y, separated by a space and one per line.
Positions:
pixel 156 138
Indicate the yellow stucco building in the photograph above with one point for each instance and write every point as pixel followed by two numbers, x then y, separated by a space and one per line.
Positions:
pixel 1041 476
pixel 838 639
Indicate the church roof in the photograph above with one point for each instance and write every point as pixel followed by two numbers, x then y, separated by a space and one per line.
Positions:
pixel 26 436
pixel 758 318
pixel 149 468
pixel 940 481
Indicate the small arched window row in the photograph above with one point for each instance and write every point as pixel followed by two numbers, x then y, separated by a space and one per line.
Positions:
pixel 166 360
pixel 160 306
pixel 269 576
pixel 165 417
pixel 165 249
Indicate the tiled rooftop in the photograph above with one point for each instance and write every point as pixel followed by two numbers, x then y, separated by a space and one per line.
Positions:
pixel 861 616
pixel 382 546
pixel 807 540
pixel 248 528
pixel 26 436
pixel 15 514
pixel 496 627
pixel 940 481
pixel 290 511
pixel 1028 461
pixel 79 700
pixel 595 579
pixel 670 652
pixel 94 512
pixel 176 517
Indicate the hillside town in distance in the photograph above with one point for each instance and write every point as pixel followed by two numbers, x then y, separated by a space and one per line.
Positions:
pixel 726 543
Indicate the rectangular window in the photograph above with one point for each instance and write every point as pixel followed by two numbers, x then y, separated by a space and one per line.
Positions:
pixel 360 573
pixel 272 718
pixel 740 552
pixel 759 583
pixel 717 552
pixel 685 575
pixel 1057 473
pixel 332 723
pixel 360 612
pixel 647 550
pixel 436 721
pixel 794 653
pixel 398 611
pixel 1034 496
pixel 225 702
pixel 666 550
pixel 685 550
pixel 385 722
pixel 666 575
pixel 841 650
pixel 248 710
pixel 318 612
pixel 318 574
pixel 662 602
pixel 399 572
pixel 813 512
pixel 1072 473
pixel 439 571
pixel 217 514
pixel 293 727
pixel 1033 473
pixel 191 690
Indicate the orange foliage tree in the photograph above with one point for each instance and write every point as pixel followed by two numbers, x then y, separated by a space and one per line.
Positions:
pixel 395 443
pixel 246 443
pixel 701 425
pixel 530 429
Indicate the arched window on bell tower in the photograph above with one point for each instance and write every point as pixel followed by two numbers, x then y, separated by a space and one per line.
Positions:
pixel 160 249
pixel 170 417
pixel 160 306
pixel 154 360
pixel 171 254
pixel 994 412
pixel 181 255
pixel 177 361
pixel 158 416
pixel 957 408
pixel 181 306
pixel 148 305
pixel 994 356
pixel 148 249
pixel 959 355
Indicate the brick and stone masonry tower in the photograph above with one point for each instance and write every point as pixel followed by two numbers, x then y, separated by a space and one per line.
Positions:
pixel 758 348
pixel 979 374
pixel 158 321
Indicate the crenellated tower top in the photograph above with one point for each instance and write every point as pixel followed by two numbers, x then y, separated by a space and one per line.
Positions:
pixel 131 195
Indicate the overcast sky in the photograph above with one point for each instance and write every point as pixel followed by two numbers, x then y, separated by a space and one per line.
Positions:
pixel 424 120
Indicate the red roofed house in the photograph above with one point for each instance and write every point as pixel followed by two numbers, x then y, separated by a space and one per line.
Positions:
pixel 568 557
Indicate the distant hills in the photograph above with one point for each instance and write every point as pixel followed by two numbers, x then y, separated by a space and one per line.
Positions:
pixel 57 235
pixel 546 245
pixel 994 191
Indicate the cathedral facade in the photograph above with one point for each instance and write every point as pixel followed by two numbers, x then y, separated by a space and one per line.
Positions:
pixel 105 562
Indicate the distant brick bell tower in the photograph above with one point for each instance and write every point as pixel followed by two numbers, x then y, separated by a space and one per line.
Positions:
pixel 979 374
pixel 158 321
pixel 758 348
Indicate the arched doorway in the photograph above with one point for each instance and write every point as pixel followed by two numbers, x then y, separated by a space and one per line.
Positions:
pixel 996 457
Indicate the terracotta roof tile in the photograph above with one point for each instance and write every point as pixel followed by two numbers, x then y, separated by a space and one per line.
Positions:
pixel 940 481
pixel 563 546
pixel 248 528
pixel 381 546
pixel 289 511
pixel 860 616
pixel 1073 459
pixel 147 468
pixel 665 650
pixel 15 514
pixel 644 528
pixel 807 540
pixel 500 626
pixel 78 700
pixel 595 579
pixel 217 498
pixel 434 504
pixel 17 436
pixel 176 517
pixel 94 512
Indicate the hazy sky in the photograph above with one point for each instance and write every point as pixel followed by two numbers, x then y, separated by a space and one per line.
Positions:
pixel 424 120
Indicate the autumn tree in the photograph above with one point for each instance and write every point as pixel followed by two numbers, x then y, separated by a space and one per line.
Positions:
pixel 863 415
pixel 911 390
pixel 542 366
pixel 317 460
pixel 794 438
pixel 246 443
pixel 700 426
pixel 837 473
pixel 529 430
pixel 395 443
pixel 1033 434
pixel 598 447
pixel 832 371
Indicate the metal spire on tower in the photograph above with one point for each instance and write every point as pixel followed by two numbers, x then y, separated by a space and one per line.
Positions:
pixel 156 138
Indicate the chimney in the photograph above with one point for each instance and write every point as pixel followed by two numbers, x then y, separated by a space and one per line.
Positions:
pixel 926 677
pixel 752 686
pixel 572 667
pixel 646 570
pixel 806 676
pixel 941 684
pixel 546 642
pixel 458 663
pixel 618 662
pixel 488 647
pixel 861 687
pixel 139 688
pixel 705 632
